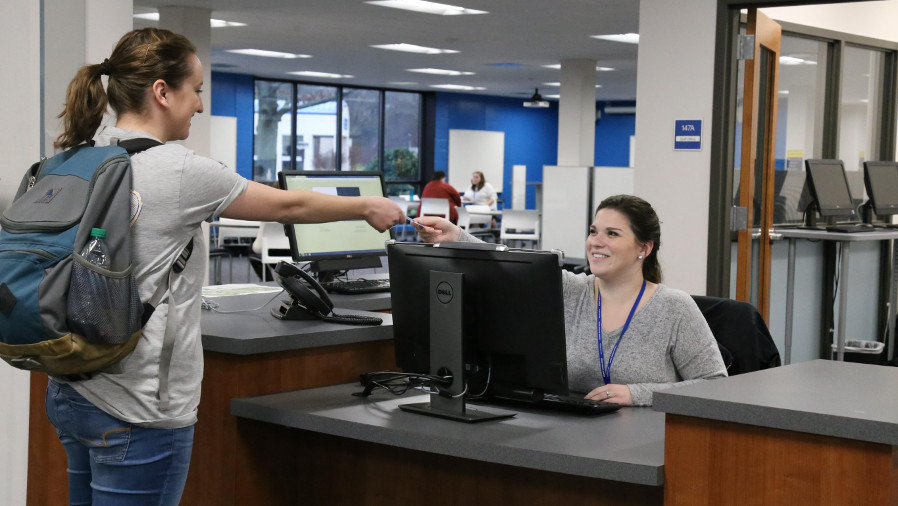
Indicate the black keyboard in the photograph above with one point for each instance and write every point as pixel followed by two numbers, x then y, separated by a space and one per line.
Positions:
pixel 356 286
pixel 850 228
pixel 576 404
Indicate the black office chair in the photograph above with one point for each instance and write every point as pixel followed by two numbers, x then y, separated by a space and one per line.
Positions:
pixel 742 336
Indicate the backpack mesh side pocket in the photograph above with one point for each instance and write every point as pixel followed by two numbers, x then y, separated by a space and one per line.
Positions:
pixel 103 306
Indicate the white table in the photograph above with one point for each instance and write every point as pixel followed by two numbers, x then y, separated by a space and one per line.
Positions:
pixel 845 239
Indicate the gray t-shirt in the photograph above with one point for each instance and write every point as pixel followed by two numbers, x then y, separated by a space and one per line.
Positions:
pixel 174 191
pixel 667 343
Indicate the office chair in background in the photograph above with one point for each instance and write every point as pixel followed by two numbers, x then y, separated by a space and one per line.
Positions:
pixel 743 337
pixel 521 225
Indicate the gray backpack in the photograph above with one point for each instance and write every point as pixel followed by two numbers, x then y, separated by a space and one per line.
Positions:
pixel 60 314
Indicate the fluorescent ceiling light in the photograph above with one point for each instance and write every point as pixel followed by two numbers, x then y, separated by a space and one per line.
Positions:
pixel 214 23
pixel 784 92
pixel 267 54
pixel 559 84
pixel 557 66
pixel 310 73
pixel 402 83
pixel 627 38
pixel 442 72
pixel 552 96
pixel 426 7
pixel 791 60
pixel 411 48
pixel 460 87
pixel 220 23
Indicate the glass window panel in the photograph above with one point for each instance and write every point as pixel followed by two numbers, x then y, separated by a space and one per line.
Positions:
pixel 272 123
pixel 316 119
pixel 402 142
pixel 361 129
pixel 799 125
pixel 859 116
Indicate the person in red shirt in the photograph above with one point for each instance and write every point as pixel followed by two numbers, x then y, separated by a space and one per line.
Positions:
pixel 440 189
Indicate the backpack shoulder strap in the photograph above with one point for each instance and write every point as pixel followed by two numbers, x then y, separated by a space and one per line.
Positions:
pixel 133 146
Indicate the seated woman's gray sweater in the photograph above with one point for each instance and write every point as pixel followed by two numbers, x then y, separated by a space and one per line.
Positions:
pixel 668 342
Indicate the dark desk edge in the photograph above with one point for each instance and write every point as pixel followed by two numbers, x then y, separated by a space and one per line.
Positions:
pixel 262 409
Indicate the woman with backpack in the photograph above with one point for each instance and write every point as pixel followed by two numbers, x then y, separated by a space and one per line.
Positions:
pixel 128 433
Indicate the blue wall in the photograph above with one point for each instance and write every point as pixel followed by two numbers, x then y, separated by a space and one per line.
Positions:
pixel 531 135
pixel 613 133
pixel 232 95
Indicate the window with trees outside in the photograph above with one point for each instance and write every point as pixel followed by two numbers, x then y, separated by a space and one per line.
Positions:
pixel 298 126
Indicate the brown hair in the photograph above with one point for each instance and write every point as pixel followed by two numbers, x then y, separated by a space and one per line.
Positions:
pixel 645 225
pixel 477 187
pixel 139 59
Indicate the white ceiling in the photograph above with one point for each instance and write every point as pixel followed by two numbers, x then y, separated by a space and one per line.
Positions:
pixel 339 33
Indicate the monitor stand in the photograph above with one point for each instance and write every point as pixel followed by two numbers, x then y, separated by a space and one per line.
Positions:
pixel 447 354
pixel 325 270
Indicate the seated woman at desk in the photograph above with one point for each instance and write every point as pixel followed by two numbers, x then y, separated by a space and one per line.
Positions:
pixel 480 192
pixel 628 335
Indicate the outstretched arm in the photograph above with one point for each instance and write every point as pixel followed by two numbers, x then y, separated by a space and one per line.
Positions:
pixel 263 203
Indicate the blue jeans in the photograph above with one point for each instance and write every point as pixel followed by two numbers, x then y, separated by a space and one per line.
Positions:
pixel 111 462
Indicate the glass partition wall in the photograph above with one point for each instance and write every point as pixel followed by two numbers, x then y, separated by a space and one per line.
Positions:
pixel 300 126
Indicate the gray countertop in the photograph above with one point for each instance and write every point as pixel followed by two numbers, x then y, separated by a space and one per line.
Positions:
pixel 840 399
pixel 257 331
pixel 626 445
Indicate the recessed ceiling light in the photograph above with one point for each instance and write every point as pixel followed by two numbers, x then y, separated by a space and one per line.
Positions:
pixel 214 23
pixel 310 73
pixel 791 60
pixel 426 7
pixel 628 38
pixel 267 54
pixel 411 48
pixel 557 66
pixel 442 72
pixel 459 87
pixel 559 84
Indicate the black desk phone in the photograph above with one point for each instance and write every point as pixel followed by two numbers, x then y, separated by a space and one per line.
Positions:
pixel 309 300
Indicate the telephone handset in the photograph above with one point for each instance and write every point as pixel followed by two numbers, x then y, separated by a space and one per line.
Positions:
pixel 309 300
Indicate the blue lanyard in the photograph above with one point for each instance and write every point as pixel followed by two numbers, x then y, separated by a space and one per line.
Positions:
pixel 606 370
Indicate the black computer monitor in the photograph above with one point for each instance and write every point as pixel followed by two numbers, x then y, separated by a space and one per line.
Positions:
pixel 829 188
pixel 881 181
pixel 342 245
pixel 512 316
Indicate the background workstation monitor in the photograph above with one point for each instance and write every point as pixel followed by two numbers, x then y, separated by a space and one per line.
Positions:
pixel 342 245
pixel 512 316
pixel 829 188
pixel 881 181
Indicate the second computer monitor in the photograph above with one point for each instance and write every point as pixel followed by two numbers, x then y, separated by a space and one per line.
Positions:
pixel 881 180
pixel 829 188
pixel 340 245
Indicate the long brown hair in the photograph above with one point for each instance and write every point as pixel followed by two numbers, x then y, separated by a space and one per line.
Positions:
pixel 645 225
pixel 478 187
pixel 139 59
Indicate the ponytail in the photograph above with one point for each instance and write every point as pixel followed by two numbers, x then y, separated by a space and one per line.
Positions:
pixel 139 59
pixel 85 104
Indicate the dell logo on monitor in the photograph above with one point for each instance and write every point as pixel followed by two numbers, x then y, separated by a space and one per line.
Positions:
pixel 444 292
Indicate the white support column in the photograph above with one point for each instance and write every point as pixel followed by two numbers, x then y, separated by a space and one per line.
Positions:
pixel 20 135
pixel 577 113
pixel 193 23
pixel 77 33
pixel 675 76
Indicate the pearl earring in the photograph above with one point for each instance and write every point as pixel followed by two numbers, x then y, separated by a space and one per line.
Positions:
pixel 640 257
